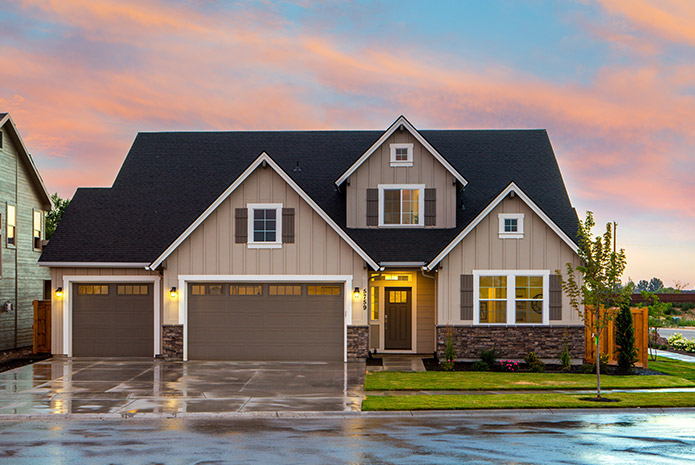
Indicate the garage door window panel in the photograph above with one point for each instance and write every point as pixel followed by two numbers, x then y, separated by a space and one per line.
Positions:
pixel 291 289
pixel 92 289
pixel 243 290
pixel 207 289
pixel 323 290
pixel 135 289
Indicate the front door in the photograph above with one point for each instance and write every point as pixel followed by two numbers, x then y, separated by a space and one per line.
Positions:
pixel 398 325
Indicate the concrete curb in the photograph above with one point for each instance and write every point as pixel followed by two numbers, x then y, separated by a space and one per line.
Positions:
pixel 328 415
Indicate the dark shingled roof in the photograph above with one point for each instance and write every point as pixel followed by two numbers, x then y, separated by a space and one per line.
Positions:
pixel 168 179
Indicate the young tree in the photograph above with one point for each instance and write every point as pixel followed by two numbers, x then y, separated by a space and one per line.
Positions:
pixel 54 216
pixel 600 270
pixel 656 314
pixel 625 340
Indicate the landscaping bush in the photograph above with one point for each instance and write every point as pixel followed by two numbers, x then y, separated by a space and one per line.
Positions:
pixel 687 306
pixel 565 357
pixel 587 368
pixel 625 340
pixel 534 363
pixel 509 365
pixel 479 365
pixel 449 355
pixel 489 357
pixel 678 342
pixel 671 311
pixel 682 322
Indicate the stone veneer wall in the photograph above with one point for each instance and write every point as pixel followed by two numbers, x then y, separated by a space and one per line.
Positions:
pixel 172 342
pixel 513 342
pixel 357 342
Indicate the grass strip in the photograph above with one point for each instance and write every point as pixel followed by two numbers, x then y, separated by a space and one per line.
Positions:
pixel 685 370
pixel 527 401
pixel 474 381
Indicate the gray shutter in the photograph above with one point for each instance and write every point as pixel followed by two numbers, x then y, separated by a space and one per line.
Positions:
pixel 430 206
pixel 466 296
pixel 288 225
pixel 241 232
pixel 372 207
pixel 555 298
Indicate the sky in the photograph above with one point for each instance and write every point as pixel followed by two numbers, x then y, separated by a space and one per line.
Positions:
pixel 613 82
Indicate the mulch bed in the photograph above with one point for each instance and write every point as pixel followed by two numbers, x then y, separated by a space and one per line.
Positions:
pixel 15 358
pixel 374 362
pixel 432 364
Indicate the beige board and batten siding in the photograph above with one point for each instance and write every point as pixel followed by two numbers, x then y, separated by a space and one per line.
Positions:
pixel 211 248
pixel 377 170
pixel 426 313
pixel 482 249
pixel 57 275
pixel 21 279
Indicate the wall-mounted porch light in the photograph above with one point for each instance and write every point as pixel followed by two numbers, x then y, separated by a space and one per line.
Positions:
pixel 356 293
pixel 59 292
pixel 173 293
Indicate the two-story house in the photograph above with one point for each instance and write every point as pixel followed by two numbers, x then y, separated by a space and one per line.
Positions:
pixel 319 245
pixel 23 204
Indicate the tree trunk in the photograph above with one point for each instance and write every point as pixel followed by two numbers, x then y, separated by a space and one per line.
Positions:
pixel 598 356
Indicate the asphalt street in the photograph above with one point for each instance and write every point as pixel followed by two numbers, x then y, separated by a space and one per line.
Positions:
pixel 442 438
pixel 687 333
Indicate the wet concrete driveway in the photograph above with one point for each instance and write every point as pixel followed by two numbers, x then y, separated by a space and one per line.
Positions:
pixel 143 386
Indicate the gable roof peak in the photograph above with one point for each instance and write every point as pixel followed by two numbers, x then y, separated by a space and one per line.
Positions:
pixel 401 121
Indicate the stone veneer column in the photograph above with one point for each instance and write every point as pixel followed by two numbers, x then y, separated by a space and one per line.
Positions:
pixel 357 342
pixel 512 342
pixel 172 342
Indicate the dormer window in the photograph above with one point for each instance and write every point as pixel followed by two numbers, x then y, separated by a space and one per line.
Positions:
pixel 401 155
pixel 401 205
pixel 511 225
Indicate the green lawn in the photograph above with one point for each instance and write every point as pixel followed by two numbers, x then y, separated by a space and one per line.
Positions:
pixel 534 400
pixel 674 367
pixel 478 381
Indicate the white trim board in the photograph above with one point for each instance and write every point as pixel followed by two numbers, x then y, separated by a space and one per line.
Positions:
pixel 512 187
pixel 185 279
pixel 511 315
pixel 68 281
pixel 406 124
pixel 263 157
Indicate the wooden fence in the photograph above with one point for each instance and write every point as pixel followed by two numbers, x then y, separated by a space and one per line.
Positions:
pixel 640 320
pixel 42 326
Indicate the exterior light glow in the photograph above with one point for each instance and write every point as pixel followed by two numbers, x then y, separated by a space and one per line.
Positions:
pixel 173 293
pixel 59 292
pixel 356 293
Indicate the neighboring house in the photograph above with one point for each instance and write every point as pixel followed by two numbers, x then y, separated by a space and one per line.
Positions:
pixel 23 204
pixel 319 245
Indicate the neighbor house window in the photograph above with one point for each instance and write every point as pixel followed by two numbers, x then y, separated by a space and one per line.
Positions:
pixel 401 155
pixel 511 297
pixel 265 224
pixel 11 225
pixel 401 205
pixel 511 225
pixel 38 223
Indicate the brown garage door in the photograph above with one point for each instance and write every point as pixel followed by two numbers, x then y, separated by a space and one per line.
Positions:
pixel 265 321
pixel 112 320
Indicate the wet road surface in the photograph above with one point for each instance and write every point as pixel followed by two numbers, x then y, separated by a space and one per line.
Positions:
pixel 475 438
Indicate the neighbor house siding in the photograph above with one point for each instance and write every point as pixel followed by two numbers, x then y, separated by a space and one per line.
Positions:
pixel 21 279
pixel 317 248
pixel 377 170
pixel 57 275
pixel 540 249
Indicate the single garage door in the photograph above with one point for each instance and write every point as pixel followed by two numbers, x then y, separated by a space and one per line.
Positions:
pixel 112 320
pixel 297 321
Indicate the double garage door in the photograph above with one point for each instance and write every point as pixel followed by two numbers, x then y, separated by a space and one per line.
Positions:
pixel 261 321
pixel 226 321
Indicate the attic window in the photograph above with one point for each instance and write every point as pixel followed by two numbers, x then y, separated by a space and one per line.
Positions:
pixel 401 155
pixel 511 225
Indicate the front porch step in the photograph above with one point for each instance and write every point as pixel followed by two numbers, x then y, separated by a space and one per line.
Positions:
pixel 401 363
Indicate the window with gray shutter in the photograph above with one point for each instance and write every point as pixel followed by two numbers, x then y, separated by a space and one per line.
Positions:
pixel 372 207
pixel 288 225
pixel 466 296
pixel 555 298
pixel 241 229
pixel 430 206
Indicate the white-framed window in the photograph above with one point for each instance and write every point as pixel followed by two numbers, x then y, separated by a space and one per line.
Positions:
pixel 511 225
pixel 38 228
pixel 11 225
pixel 401 205
pixel 401 154
pixel 511 297
pixel 265 225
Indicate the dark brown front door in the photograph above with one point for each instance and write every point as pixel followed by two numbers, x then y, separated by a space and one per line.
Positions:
pixel 399 327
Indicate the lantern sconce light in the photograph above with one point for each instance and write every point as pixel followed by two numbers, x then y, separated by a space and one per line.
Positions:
pixel 173 293
pixel 356 293
pixel 59 292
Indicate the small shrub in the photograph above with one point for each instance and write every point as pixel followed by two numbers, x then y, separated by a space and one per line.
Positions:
pixel 678 342
pixel 509 365
pixel 489 357
pixel 687 306
pixel 565 358
pixel 587 368
pixel 534 363
pixel 479 365
pixel 449 355
pixel 671 311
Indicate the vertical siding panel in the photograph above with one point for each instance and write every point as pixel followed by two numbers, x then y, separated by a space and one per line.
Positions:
pixel 319 244
pixel 224 237
pixel 210 244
